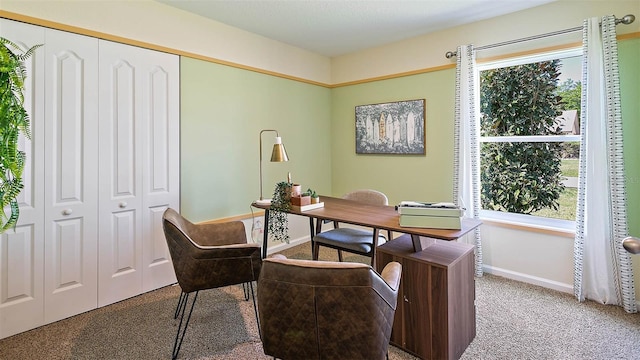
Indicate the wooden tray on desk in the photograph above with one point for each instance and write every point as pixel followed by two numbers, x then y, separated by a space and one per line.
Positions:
pixel 303 208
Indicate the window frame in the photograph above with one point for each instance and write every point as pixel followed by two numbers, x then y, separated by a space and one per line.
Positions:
pixel 517 219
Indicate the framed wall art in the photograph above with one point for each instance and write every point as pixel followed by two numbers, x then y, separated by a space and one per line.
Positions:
pixel 391 128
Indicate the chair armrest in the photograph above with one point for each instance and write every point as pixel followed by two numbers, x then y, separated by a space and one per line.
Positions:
pixel 391 274
pixel 227 251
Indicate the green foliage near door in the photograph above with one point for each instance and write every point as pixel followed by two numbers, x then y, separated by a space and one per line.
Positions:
pixel 521 177
pixel 14 120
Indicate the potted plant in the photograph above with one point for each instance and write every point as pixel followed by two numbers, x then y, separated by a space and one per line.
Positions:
pixel 315 198
pixel 280 206
pixel 301 199
pixel 14 120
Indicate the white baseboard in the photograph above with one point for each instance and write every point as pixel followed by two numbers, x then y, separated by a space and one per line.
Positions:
pixel 529 279
pixel 283 246
pixel 534 280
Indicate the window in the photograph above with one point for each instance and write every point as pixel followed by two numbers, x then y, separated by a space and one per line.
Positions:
pixel 529 138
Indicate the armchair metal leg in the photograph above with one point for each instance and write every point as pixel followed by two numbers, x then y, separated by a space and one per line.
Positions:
pixel 182 330
pixel 180 304
pixel 255 308
pixel 245 289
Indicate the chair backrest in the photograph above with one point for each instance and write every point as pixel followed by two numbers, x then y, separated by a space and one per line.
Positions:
pixel 329 310
pixel 367 196
pixel 211 255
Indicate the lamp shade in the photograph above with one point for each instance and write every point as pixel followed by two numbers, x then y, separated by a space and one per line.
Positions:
pixel 279 153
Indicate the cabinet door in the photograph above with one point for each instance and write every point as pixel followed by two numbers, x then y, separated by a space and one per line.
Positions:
pixel 417 288
pixel 22 249
pixel 71 192
pixel 385 255
pixel 161 163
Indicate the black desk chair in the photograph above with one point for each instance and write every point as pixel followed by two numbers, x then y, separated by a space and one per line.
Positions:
pixel 357 241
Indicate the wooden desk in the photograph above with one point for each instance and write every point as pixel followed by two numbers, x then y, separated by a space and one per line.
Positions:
pixel 373 216
pixel 435 317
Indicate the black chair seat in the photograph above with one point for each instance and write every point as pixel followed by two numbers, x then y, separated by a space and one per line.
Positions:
pixel 359 241
pixel 348 239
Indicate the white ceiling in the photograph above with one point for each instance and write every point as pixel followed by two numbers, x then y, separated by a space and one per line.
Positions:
pixel 337 27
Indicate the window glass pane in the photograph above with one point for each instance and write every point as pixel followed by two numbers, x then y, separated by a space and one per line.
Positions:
pixel 542 181
pixel 540 102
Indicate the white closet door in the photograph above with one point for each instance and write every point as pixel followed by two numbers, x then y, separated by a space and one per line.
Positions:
pixel 121 128
pixel 138 136
pixel 71 192
pixel 161 163
pixel 22 250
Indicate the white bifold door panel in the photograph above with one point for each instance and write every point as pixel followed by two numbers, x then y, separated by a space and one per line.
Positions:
pixel 102 166
pixel 22 249
pixel 161 165
pixel 71 186
pixel 138 158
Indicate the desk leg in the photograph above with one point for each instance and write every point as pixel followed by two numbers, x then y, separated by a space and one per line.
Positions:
pixel 421 243
pixel 312 233
pixel 265 238
pixel 415 240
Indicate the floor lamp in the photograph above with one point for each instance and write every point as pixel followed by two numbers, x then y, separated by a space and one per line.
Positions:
pixel 278 154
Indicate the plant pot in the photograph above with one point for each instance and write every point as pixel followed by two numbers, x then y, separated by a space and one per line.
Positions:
pixel 296 190
pixel 315 200
pixel 300 200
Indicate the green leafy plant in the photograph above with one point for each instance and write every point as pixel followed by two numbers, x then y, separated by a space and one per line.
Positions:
pixel 311 192
pixel 14 120
pixel 280 206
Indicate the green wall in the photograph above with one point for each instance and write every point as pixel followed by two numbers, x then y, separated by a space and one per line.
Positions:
pixel 628 55
pixel 402 177
pixel 429 177
pixel 223 110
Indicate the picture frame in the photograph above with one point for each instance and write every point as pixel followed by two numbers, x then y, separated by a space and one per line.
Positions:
pixel 391 128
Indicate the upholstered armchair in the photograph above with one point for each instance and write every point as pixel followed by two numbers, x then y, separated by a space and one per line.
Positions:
pixel 207 256
pixel 326 310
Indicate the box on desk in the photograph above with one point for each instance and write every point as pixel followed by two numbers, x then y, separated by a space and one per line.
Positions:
pixel 433 222
pixel 430 215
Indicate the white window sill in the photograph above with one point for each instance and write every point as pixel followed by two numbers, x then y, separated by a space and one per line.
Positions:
pixel 564 228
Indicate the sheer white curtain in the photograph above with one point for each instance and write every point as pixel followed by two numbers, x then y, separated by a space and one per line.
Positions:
pixel 466 170
pixel 603 270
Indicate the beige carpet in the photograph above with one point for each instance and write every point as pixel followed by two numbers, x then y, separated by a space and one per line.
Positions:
pixel 514 321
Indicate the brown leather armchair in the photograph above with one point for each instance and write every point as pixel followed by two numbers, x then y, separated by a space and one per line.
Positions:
pixel 207 256
pixel 326 310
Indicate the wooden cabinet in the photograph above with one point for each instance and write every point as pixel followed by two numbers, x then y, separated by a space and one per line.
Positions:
pixel 435 317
